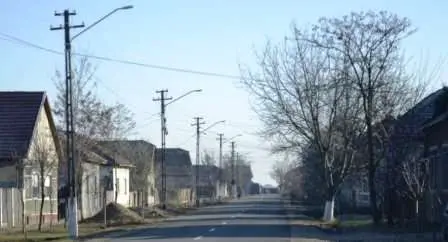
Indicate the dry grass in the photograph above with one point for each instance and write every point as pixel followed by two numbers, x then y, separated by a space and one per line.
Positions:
pixel 57 232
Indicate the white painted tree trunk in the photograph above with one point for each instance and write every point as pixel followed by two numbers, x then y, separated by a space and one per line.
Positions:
pixel 329 210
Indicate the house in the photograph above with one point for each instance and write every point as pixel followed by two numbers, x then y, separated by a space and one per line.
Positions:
pixel 354 193
pixel 115 174
pixel 29 157
pixel 409 136
pixel 142 177
pixel 269 189
pixel 208 177
pixel 179 175
pixel 436 151
pixel 243 177
pixel 103 177
pixel 255 188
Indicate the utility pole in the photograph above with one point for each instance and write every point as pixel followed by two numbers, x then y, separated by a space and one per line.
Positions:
pixel 237 173
pixel 232 170
pixel 198 136
pixel 71 201
pixel 164 133
pixel 220 167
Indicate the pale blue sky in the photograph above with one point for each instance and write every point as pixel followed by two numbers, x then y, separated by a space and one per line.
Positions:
pixel 203 35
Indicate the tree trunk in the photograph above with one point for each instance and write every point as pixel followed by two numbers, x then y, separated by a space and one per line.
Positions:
pixel 116 184
pixel 22 203
pixel 329 206
pixel 105 206
pixel 42 200
pixel 417 215
pixel 371 166
pixel 51 208
pixel 390 207
pixel 329 210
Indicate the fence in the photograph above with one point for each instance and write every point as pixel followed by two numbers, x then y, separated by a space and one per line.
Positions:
pixel 141 199
pixel 11 209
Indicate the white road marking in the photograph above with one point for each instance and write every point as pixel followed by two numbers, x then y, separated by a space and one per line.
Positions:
pixel 198 238
pixel 211 230
pixel 224 222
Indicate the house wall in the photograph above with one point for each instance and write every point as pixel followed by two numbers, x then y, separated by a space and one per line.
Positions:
pixel 151 192
pixel 91 191
pixel 437 153
pixel 121 175
pixel 42 146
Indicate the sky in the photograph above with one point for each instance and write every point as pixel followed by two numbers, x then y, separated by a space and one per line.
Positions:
pixel 210 36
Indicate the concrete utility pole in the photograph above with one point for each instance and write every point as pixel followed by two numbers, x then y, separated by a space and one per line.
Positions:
pixel 220 167
pixel 198 136
pixel 71 200
pixel 237 173
pixel 232 170
pixel 72 205
pixel 164 133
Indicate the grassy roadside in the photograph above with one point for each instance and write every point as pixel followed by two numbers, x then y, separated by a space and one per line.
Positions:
pixel 59 233
pixel 367 225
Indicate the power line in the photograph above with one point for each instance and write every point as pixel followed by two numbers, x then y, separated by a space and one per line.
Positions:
pixel 127 62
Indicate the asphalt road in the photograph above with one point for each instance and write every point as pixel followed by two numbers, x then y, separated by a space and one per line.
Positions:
pixel 259 218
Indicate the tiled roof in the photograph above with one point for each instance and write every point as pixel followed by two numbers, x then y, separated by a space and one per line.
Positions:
pixel 174 157
pixel 18 115
pixel 129 149
pixel 208 171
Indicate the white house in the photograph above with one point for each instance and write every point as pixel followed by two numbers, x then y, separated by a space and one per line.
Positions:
pixel 97 170
pixel 142 185
pixel 114 175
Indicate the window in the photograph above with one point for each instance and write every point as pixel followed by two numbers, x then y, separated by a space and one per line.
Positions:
pixel 34 185
pixel 117 185
pixel 125 186
pixel 47 186
pixel 88 184
pixel 95 185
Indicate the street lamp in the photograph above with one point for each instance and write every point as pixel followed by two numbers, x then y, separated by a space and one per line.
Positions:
pixel 184 95
pixel 71 200
pixel 234 137
pixel 101 20
pixel 163 105
pixel 198 135
pixel 212 125
pixel 232 165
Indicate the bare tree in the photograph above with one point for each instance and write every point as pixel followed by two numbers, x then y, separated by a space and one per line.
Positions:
pixel 279 170
pixel 118 124
pixel 305 97
pixel 45 160
pixel 370 43
pixel 88 111
pixel 208 158
pixel 93 119
pixel 415 172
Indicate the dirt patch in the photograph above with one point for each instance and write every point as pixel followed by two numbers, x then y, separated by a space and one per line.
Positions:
pixel 116 214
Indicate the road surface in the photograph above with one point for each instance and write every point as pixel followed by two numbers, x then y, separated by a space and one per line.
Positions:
pixel 259 218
